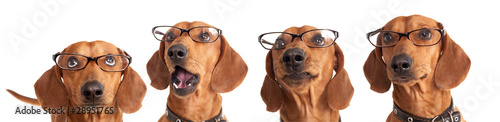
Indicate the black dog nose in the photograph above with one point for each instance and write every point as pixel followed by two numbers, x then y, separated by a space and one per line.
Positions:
pixel 177 52
pixel 92 90
pixel 401 63
pixel 294 59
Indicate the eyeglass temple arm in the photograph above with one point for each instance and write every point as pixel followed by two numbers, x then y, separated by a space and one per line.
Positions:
pixel 266 42
pixel 158 32
pixel 55 56
pixel 129 57
pixel 370 34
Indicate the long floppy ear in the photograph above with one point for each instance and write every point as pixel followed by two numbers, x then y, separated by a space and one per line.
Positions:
pixel 339 90
pixel 157 69
pixel 453 64
pixel 50 90
pixel 376 72
pixel 131 91
pixel 229 71
pixel 271 92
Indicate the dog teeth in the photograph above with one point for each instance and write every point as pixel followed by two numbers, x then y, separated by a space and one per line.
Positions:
pixel 175 85
pixel 189 84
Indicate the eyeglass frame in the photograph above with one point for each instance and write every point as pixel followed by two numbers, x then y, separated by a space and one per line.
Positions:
pixel 219 31
pixel 336 33
pixel 368 35
pixel 54 57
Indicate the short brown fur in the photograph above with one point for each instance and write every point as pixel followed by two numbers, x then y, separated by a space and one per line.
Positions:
pixel 319 99
pixel 440 68
pixel 221 70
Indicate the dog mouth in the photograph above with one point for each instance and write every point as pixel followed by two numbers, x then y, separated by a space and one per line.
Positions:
pixel 183 81
pixel 407 78
pixel 298 78
pixel 403 79
pixel 92 104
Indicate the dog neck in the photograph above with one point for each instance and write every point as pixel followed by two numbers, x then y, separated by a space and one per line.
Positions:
pixel 423 99
pixel 308 105
pixel 201 105
pixel 116 116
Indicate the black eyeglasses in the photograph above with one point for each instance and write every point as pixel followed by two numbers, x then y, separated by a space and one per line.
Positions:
pixel 110 63
pixel 420 37
pixel 203 34
pixel 312 38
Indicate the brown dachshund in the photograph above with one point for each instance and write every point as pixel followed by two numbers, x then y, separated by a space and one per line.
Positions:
pixel 417 55
pixel 299 79
pixel 198 63
pixel 86 75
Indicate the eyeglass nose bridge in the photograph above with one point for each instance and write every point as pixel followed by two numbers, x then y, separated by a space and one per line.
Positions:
pixel 184 30
pixel 89 60
pixel 93 59
pixel 407 35
pixel 296 36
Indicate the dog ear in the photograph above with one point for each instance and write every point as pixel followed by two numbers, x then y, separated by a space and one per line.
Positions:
pixel 339 90
pixel 230 69
pixel 157 69
pixel 131 91
pixel 375 71
pixel 50 90
pixel 271 92
pixel 453 64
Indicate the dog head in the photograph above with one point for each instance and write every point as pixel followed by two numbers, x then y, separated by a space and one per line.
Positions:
pixel 423 54
pixel 90 74
pixel 194 57
pixel 296 65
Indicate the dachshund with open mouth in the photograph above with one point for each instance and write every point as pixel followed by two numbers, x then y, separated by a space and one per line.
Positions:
pixel 197 61
pixel 417 56
pixel 88 76
pixel 300 64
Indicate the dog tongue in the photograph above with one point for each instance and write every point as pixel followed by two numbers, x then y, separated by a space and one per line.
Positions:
pixel 183 76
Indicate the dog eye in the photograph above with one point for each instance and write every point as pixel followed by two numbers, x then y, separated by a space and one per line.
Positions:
pixel 72 62
pixel 110 61
pixel 204 36
pixel 318 40
pixel 170 36
pixel 387 38
pixel 279 43
pixel 425 34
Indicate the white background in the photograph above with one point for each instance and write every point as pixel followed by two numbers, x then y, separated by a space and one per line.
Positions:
pixel 472 24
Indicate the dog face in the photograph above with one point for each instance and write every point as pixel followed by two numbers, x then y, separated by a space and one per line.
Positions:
pixel 91 74
pixel 297 65
pixel 91 86
pixel 422 54
pixel 190 66
pixel 408 63
pixel 195 68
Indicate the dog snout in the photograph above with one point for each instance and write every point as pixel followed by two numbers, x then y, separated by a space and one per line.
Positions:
pixel 92 90
pixel 401 63
pixel 177 52
pixel 294 59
